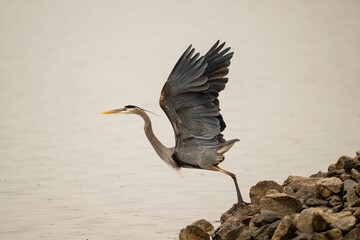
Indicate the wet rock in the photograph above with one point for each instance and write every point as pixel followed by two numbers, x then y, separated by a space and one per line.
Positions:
pixel 229 230
pixel 329 186
pixel 353 234
pixel 261 188
pixel 285 229
pixel 265 217
pixel 345 224
pixel 280 203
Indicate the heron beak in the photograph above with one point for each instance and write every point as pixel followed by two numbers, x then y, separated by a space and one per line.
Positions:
pixel 118 110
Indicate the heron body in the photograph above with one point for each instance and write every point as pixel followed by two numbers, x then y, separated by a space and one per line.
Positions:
pixel 189 98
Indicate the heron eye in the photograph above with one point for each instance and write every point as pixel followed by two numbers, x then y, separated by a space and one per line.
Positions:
pixel 130 106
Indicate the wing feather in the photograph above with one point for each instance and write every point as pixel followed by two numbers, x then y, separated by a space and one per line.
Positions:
pixel 190 95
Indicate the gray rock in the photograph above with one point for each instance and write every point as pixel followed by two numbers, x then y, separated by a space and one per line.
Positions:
pixel 312 202
pixel 353 234
pixel 246 233
pixel 265 232
pixel 334 200
pixel 328 186
pixel 229 230
pixel 285 230
pixel 265 217
pixel 281 203
pixel 345 224
pixel 349 183
pixel 261 188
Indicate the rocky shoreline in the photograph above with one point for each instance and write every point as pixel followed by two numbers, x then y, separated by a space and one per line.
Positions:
pixel 325 205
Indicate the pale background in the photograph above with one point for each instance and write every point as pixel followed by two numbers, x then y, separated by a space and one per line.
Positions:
pixel 68 172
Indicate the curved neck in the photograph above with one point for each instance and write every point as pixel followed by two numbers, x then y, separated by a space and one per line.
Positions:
pixel 164 153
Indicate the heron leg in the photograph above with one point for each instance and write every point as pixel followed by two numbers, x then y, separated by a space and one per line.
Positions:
pixel 233 176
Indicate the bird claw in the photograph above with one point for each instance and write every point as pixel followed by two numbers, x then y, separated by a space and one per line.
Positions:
pixel 236 206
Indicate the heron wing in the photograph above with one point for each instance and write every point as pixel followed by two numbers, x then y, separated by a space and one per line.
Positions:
pixel 190 95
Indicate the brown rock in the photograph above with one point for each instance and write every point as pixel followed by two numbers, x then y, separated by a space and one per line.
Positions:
pixel 285 229
pixel 333 234
pixel 265 232
pixel 341 162
pixel 312 202
pixel 229 230
pixel 353 234
pixel 280 203
pixel 345 224
pixel 296 182
pixel 204 225
pixel 328 186
pixel 261 188
pixel 193 233
pixel 355 175
pixel 313 219
pixel 265 217
pixel 352 199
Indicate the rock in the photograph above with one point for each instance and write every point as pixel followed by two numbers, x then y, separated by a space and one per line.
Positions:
pixel 328 186
pixel 355 175
pixel 334 200
pixel 280 203
pixel 353 234
pixel 265 217
pixel 261 188
pixel 333 234
pixel 244 213
pixel 352 199
pixel 204 225
pixel 345 224
pixel 265 232
pixel 229 230
pixel 314 220
pixel 193 233
pixel 285 229
pixel 312 202
pixel 246 233
pixel 297 182
pixel 341 162
pixel 303 236
pixel 349 183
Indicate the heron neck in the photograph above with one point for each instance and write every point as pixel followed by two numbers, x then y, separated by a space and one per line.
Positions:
pixel 163 152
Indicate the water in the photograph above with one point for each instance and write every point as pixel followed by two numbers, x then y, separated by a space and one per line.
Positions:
pixel 68 172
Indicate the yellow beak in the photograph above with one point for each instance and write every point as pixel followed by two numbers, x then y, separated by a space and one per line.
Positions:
pixel 113 111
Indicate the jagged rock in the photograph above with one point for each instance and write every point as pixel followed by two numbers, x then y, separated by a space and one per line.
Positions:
pixel 261 188
pixel 297 182
pixel 328 186
pixel 313 219
pixel 229 230
pixel 244 213
pixel 353 234
pixel 285 229
pixel 193 233
pixel 303 236
pixel 265 217
pixel 280 203
pixel 349 183
pixel 265 232
pixel 345 223
pixel 345 176
pixel 333 234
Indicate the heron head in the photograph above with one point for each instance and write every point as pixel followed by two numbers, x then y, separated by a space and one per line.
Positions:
pixel 128 109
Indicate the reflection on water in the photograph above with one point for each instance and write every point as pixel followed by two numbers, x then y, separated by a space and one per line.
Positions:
pixel 67 172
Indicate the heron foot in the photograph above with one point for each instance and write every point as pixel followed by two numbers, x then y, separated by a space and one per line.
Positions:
pixel 236 206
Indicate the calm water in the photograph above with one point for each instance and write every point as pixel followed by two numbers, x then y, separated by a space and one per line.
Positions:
pixel 68 172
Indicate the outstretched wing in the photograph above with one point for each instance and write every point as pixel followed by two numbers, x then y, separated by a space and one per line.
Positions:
pixel 190 95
